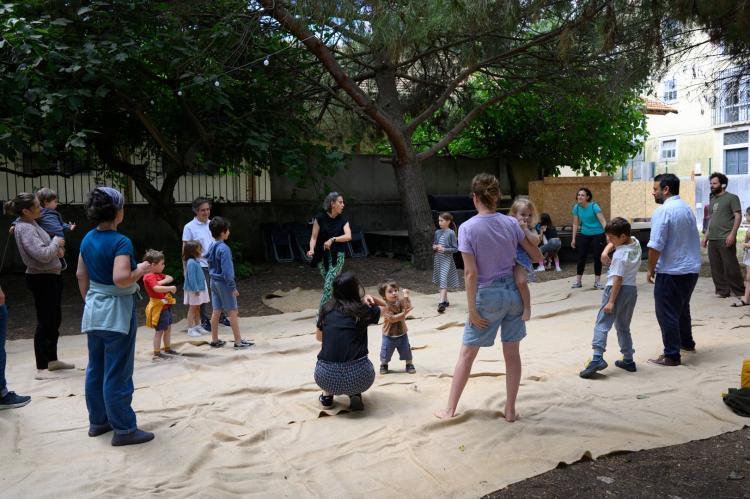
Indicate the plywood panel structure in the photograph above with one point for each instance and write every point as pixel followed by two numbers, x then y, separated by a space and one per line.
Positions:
pixel 557 195
pixel 630 200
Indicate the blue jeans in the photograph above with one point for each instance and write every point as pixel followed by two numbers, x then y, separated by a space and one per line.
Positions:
pixel 390 344
pixel 620 318
pixel 672 300
pixel 3 333
pixel 109 378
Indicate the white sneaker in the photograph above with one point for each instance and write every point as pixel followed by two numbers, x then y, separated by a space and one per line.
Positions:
pixel 540 269
pixel 558 269
pixel 194 332
pixel 202 331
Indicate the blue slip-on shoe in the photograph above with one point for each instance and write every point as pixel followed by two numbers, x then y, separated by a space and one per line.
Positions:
pixel 135 438
pixel 592 367
pixel 12 400
pixel 99 429
pixel 628 365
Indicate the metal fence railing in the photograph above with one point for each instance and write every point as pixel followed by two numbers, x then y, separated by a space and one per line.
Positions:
pixel 72 188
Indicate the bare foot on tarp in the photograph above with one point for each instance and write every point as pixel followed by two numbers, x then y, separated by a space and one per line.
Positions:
pixel 444 414
pixel 511 416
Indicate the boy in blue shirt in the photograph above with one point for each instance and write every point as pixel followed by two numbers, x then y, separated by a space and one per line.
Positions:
pixel 223 287
pixel 618 301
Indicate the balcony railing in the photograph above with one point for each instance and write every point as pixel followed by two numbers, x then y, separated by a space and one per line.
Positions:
pixel 724 115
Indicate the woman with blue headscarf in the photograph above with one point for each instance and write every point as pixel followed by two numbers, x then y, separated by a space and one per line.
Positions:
pixel 107 276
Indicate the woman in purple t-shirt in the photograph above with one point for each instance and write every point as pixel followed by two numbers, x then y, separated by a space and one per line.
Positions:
pixel 488 244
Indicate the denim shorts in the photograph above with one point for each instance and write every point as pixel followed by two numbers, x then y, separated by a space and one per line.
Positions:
pixel 165 318
pixel 500 304
pixel 222 297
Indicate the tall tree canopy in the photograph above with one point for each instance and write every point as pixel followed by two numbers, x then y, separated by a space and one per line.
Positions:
pixel 182 81
pixel 403 65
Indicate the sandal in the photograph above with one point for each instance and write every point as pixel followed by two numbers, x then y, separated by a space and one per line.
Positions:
pixel 326 400
pixel 741 303
pixel 218 343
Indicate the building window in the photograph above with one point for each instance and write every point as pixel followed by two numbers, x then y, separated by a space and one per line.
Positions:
pixel 670 90
pixel 735 161
pixel 732 138
pixel 668 150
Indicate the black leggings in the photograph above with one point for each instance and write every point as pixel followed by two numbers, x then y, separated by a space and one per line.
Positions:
pixel 47 292
pixel 597 244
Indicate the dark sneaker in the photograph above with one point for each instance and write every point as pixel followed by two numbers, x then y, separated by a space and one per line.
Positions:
pixel 592 367
pixel 410 368
pixel 665 361
pixel 383 368
pixel 224 321
pixel 135 438
pixel 13 401
pixel 218 343
pixel 326 400
pixel 355 402
pixel 627 365
pixel 598 285
pixel 441 307
pixel 576 285
pixel 206 325
pixel 96 430
pixel 243 344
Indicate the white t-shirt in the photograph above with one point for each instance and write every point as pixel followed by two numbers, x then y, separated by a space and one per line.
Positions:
pixel 626 262
pixel 196 230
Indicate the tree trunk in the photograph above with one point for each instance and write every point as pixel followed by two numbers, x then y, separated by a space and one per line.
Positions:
pixel 419 221
pixel 162 201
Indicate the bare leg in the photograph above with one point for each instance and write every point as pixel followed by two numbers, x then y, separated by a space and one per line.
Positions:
pixel 512 378
pixel 443 295
pixel 460 376
pixel 157 343
pixel 167 338
pixel 521 276
pixel 215 325
pixel 192 316
pixel 233 316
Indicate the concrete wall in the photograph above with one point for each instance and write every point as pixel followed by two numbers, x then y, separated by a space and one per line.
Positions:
pixel 369 189
pixel 557 195
pixel 366 178
pixel 144 227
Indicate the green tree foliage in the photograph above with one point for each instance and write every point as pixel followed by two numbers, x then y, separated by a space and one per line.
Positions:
pixel 582 131
pixel 417 65
pixel 107 84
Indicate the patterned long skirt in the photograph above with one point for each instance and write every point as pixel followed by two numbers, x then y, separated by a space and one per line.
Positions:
pixel 329 276
pixel 345 378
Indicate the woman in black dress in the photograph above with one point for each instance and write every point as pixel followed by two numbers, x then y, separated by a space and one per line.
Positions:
pixel 330 231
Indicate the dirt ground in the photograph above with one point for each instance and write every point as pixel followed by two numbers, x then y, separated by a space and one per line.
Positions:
pixel 715 467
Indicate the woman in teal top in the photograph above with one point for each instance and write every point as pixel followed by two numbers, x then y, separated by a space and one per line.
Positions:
pixel 588 233
pixel 107 276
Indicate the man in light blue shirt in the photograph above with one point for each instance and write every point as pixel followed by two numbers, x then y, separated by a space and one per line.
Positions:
pixel 674 255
